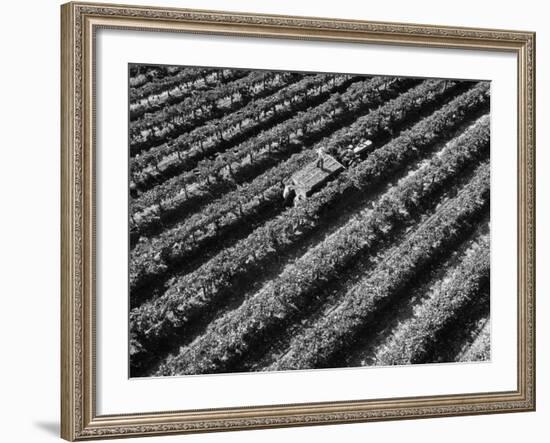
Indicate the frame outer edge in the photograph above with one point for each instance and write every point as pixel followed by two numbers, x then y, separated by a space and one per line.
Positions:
pixel 527 221
pixel 78 419
pixel 68 428
pixel 532 268
pixel 534 300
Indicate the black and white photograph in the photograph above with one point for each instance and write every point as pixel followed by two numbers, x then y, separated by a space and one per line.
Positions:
pixel 283 220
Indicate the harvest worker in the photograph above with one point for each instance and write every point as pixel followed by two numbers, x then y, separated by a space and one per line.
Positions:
pixel 288 193
pixel 321 151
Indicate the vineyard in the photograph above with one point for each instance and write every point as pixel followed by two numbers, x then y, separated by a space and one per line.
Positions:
pixel 282 220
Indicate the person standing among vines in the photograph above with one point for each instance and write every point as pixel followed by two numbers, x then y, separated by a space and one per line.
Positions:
pixel 321 152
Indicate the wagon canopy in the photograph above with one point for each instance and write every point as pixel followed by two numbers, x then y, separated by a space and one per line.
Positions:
pixel 311 177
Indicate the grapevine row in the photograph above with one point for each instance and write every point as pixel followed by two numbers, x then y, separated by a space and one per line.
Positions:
pixel 381 161
pixel 184 152
pixel 375 123
pixel 280 301
pixel 252 81
pixel 405 304
pixel 256 154
pixel 176 119
pixel 142 75
pixel 158 251
pixel 187 238
pixel 175 89
pixel 388 119
pixel 480 348
pixel 208 285
pixel 180 75
pixel 447 296
pixel 236 209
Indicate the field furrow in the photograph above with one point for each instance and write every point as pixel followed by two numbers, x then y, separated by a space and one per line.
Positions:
pixel 285 220
pixel 448 169
pixel 274 238
pixel 404 304
pixel 480 348
pixel 171 121
pixel 413 338
pixel 210 179
pixel 460 331
pixel 151 214
pixel 152 259
pixel 233 335
pixel 177 88
pixel 297 221
pixel 218 135
pixel 143 75
pixel 180 75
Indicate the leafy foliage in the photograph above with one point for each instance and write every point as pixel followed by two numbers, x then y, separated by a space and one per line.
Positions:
pixel 175 88
pixel 276 304
pixel 185 151
pixel 191 293
pixel 444 301
pixel 173 120
pixel 214 177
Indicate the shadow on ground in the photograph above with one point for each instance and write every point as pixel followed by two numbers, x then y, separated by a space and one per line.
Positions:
pixel 50 427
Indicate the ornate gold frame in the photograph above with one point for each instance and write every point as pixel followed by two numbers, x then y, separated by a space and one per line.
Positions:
pixel 79 420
